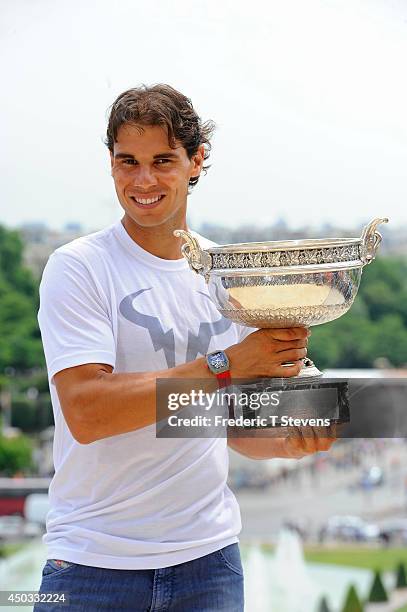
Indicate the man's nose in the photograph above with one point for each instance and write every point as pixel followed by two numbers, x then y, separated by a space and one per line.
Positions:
pixel 144 177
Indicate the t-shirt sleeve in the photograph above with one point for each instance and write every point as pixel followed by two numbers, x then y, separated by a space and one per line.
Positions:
pixel 73 318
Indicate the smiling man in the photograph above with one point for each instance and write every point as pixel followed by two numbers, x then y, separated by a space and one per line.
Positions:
pixel 139 523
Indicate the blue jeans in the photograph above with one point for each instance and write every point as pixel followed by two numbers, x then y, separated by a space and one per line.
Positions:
pixel 213 583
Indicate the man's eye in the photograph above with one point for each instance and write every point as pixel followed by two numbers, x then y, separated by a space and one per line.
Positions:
pixel 129 162
pixel 161 161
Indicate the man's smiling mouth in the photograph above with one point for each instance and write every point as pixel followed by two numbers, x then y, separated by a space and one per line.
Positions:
pixel 147 202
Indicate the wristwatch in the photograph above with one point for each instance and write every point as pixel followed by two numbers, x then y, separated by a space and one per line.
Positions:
pixel 218 364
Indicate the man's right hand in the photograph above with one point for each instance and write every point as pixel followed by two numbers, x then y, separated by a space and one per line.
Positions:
pixel 264 351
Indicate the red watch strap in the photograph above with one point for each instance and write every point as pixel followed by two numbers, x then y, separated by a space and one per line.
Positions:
pixel 224 379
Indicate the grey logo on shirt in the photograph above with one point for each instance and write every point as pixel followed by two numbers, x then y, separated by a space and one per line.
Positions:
pixel 197 343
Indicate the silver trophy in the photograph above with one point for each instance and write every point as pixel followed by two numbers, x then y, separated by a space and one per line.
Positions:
pixel 293 283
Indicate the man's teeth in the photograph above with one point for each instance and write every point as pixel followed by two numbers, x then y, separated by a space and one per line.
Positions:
pixel 149 201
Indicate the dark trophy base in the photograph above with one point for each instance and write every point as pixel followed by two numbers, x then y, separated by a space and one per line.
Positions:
pixel 300 401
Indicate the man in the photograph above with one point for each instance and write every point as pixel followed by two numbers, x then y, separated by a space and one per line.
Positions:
pixel 140 523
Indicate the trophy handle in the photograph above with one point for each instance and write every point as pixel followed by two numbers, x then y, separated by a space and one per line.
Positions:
pixel 199 261
pixel 370 240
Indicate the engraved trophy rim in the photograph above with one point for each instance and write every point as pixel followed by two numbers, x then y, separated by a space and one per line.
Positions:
pixel 283 256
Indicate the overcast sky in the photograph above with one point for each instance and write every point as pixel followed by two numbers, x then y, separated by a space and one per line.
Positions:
pixel 309 97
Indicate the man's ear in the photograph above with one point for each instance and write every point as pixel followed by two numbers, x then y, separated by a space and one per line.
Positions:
pixel 111 161
pixel 198 160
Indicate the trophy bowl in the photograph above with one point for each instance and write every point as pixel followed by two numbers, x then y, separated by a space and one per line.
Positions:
pixel 293 283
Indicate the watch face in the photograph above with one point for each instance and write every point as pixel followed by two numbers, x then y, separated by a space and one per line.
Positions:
pixel 218 361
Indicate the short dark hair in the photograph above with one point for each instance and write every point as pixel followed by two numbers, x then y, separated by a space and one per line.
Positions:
pixel 165 106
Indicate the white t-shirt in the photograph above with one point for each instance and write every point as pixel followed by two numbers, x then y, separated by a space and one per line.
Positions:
pixel 132 501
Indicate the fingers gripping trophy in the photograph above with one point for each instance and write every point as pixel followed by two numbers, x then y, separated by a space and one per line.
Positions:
pixel 293 283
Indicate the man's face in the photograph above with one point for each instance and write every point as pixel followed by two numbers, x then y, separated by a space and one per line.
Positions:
pixel 151 178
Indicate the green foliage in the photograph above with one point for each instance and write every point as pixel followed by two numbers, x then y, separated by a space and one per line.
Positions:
pixel 4 382
pixel 352 601
pixel 401 578
pixel 20 341
pixel 24 414
pixel 11 263
pixel 32 415
pixel 378 592
pixel 37 379
pixel 375 326
pixel 15 455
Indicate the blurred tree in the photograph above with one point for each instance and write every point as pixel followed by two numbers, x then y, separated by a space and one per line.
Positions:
pixel 352 601
pixel 38 379
pixel 389 339
pixel 31 415
pixel 384 287
pixel 11 263
pixel 15 455
pixel 20 341
pixel 377 592
pixel 401 578
pixel 375 326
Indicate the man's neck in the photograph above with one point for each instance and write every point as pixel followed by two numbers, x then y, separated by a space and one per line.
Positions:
pixel 159 241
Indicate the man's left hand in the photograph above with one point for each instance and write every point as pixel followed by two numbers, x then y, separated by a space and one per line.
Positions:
pixel 301 442
pixel 298 443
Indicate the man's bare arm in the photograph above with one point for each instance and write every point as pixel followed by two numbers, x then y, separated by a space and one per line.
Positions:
pixel 98 403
